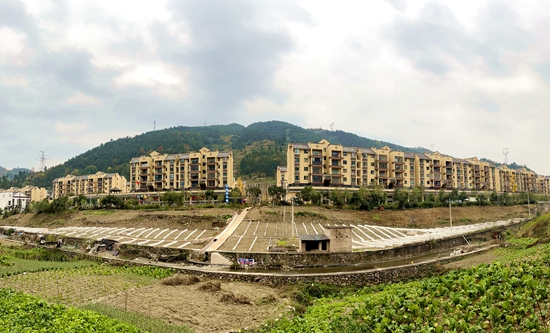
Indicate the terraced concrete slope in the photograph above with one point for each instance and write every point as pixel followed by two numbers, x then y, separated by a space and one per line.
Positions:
pixel 247 235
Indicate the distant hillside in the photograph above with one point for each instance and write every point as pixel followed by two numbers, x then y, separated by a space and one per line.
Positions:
pixel 262 144
pixel 10 174
pixel 512 165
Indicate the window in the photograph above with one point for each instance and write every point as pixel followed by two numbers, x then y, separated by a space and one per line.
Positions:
pixel 306 159
pixel 306 178
pixel 405 174
pixel 306 169
pixel 345 170
pixel 296 169
pixel 296 151
pixel 297 160
pixel 306 151
pixel 297 178
pixel 372 164
pixel 345 162
pixel 405 182
pixel 345 179
pixel 372 172
pixel 345 154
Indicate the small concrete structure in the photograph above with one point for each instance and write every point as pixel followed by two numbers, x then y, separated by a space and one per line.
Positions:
pixel 340 237
pixel 543 207
pixel 314 242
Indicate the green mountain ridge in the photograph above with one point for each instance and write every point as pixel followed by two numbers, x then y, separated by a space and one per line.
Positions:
pixel 258 148
pixel 262 144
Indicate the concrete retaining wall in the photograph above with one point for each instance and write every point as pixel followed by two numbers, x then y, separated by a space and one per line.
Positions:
pixel 293 260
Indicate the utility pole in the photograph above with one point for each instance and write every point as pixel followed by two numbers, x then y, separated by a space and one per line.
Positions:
pixel 292 223
pixel 450 213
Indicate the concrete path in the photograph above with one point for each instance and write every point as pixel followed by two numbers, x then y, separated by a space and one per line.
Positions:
pixel 228 231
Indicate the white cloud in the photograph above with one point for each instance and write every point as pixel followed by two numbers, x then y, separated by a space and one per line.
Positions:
pixel 12 48
pixel 69 129
pixel 82 99
pixel 17 81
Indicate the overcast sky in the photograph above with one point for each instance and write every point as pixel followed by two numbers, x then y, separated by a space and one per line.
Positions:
pixel 467 78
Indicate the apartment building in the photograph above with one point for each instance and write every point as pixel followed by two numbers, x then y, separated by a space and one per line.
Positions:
pixel 200 170
pixel 97 183
pixel 34 193
pixel 332 165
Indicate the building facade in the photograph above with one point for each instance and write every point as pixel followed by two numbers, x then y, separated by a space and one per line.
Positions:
pixel 324 164
pixel 202 170
pixel 98 183
pixel 34 193
pixel 13 200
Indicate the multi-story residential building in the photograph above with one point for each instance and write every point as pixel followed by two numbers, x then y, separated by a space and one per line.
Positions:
pixel 331 165
pixel 97 183
pixel 200 170
pixel 34 193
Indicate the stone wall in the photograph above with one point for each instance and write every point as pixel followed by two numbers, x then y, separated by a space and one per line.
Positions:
pixel 543 207
pixel 295 260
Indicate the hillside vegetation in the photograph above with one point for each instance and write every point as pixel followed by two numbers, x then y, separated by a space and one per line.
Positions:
pixel 259 148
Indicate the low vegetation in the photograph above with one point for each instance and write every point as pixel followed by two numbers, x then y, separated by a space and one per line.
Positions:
pixel 510 295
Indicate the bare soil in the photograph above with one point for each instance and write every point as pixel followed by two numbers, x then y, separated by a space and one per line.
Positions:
pixel 212 217
pixel 234 306
pixel 412 218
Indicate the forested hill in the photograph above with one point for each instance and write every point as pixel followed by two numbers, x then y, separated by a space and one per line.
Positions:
pixel 258 148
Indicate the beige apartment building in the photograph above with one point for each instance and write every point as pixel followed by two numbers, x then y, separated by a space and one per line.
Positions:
pixel 97 183
pixel 331 165
pixel 34 193
pixel 202 170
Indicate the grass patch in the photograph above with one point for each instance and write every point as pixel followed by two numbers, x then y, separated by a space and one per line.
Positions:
pixel 140 321
pixel 311 214
pixel 376 217
pixel 19 266
pixel 98 212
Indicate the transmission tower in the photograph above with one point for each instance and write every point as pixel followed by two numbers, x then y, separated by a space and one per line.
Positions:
pixel 505 152
pixel 332 127
pixel 42 162
pixel 154 125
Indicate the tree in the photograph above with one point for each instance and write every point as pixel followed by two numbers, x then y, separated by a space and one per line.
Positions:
pixel 462 197
pixel 400 195
pixel 254 193
pixel 90 170
pixel 172 198
pixel 59 205
pixel 110 201
pixel 277 193
pixel 338 198
pixel 308 193
pixel 417 194
pixel 493 198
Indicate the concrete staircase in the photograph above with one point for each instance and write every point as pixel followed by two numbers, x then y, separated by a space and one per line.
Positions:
pixel 218 259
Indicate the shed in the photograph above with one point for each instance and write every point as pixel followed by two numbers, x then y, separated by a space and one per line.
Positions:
pixel 340 237
pixel 314 242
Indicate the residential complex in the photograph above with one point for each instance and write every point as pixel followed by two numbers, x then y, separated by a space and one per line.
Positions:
pixel 34 193
pixel 331 165
pixel 202 170
pixel 97 183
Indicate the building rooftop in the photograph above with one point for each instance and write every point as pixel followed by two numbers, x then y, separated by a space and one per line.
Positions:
pixel 313 237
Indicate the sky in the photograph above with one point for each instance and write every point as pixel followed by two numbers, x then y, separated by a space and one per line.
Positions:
pixel 465 78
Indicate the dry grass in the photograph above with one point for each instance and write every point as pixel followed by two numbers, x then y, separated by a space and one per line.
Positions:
pixel 181 280
pixel 211 286
pixel 230 298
